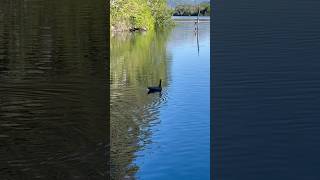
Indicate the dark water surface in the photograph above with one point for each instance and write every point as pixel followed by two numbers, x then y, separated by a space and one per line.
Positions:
pixel 266 90
pixel 52 89
pixel 163 136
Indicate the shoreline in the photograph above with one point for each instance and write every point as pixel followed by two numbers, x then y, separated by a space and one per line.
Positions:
pixel 190 18
pixel 174 18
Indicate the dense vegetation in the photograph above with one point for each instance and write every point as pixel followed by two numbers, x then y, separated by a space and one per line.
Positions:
pixel 192 10
pixel 139 14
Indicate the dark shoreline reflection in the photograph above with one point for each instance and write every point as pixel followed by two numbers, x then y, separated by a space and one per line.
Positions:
pixel 52 86
pixel 137 61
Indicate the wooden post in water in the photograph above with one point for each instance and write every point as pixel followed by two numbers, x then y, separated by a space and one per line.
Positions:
pixel 197 21
pixel 198 28
pixel 198 13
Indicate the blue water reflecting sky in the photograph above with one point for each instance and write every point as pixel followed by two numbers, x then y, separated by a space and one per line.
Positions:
pixel 180 147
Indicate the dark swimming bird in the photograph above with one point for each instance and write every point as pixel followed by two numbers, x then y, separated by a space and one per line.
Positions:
pixel 155 88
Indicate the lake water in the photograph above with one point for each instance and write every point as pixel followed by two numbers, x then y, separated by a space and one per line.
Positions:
pixel 52 89
pixel 167 135
pixel 266 90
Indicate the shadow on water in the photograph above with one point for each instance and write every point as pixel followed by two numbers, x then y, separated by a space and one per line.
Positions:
pixel 52 77
pixel 137 61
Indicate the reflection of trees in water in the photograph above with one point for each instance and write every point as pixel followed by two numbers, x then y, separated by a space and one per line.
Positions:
pixel 137 60
pixel 52 74
pixel 43 37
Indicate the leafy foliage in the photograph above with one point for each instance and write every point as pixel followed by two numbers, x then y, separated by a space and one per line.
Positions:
pixel 161 12
pixel 139 14
pixel 192 10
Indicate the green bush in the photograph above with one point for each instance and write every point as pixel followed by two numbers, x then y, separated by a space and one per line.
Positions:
pixel 192 10
pixel 139 14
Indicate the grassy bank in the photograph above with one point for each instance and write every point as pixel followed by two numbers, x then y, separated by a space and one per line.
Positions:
pixel 139 14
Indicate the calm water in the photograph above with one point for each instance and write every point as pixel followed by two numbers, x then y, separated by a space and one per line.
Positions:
pixel 190 18
pixel 52 89
pixel 266 90
pixel 163 136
